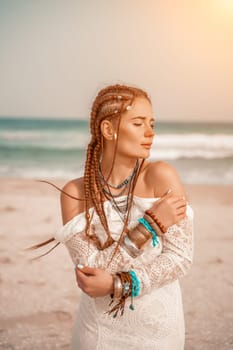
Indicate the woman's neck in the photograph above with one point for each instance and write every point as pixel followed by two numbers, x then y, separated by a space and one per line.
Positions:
pixel 122 168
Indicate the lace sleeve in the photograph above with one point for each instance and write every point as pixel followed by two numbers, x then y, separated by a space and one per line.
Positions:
pixel 174 261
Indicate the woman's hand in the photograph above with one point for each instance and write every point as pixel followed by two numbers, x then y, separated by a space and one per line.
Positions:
pixel 169 209
pixel 94 282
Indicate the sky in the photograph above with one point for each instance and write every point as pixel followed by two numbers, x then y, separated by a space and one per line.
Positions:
pixel 55 55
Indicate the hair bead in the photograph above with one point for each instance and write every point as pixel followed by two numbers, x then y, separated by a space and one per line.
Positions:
pixel 109 103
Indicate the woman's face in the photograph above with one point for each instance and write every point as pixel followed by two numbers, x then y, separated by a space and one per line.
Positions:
pixel 136 130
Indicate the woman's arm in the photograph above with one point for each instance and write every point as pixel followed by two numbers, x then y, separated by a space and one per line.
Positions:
pixel 174 261
pixel 71 207
pixel 176 257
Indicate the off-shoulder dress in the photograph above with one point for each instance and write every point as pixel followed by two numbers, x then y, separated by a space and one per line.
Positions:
pixel 157 322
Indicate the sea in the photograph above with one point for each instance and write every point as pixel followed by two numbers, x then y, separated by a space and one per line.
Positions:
pixel 46 149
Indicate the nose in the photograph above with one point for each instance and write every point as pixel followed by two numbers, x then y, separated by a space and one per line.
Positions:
pixel 149 131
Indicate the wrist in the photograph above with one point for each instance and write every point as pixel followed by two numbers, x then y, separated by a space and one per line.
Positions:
pixel 153 216
pixel 138 236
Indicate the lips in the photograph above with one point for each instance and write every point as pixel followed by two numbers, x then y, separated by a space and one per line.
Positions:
pixel 147 145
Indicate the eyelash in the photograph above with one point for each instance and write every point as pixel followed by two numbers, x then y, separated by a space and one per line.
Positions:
pixel 152 125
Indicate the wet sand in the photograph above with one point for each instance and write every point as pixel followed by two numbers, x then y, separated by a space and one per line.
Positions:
pixel 38 299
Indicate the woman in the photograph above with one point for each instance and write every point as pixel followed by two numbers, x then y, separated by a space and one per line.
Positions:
pixel 129 234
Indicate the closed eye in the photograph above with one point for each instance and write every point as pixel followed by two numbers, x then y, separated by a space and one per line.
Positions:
pixel 140 124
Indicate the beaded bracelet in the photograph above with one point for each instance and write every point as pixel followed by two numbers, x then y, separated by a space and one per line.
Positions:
pixel 156 220
pixel 136 285
pixel 153 224
pixel 146 224
pixel 135 289
pixel 130 287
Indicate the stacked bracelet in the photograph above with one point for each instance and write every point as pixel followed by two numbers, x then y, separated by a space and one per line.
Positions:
pixel 117 287
pixel 149 228
pixel 153 224
pixel 156 220
pixel 125 284
pixel 131 247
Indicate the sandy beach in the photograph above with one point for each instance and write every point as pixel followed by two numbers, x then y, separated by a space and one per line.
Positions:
pixel 38 299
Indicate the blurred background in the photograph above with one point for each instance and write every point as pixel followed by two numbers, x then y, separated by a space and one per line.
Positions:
pixel 56 55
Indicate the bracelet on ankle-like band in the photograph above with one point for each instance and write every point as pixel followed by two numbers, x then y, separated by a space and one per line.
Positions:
pixel 146 224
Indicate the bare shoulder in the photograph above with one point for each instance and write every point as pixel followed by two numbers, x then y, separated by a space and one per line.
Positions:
pixel 72 202
pixel 162 176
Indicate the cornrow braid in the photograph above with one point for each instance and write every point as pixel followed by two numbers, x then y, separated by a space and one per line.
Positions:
pixel 110 103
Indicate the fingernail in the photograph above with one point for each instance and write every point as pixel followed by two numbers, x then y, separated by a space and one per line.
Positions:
pixel 168 191
pixel 80 266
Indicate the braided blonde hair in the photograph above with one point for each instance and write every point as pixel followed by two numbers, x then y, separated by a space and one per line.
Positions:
pixel 110 103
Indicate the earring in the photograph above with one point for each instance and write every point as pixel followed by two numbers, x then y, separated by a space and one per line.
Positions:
pixel 115 136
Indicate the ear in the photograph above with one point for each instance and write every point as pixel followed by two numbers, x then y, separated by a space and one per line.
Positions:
pixel 107 130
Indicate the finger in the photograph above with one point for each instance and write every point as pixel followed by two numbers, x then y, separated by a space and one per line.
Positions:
pixel 80 285
pixel 181 206
pixel 167 194
pixel 181 215
pixel 176 199
pixel 79 282
pixel 81 277
pixel 87 270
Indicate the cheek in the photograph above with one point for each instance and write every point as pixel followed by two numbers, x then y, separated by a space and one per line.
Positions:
pixel 130 134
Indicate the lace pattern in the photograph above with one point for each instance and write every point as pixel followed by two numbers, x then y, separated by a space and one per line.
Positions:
pixel 157 321
pixel 174 261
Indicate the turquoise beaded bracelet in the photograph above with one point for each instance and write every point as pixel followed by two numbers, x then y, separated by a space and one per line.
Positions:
pixel 136 286
pixel 146 224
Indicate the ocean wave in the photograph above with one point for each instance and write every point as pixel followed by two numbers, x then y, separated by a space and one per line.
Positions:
pixel 175 154
pixel 45 140
pixel 195 141
pixel 166 140
pixel 166 146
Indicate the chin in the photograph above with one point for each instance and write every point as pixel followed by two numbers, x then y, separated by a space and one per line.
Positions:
pixel 146 154
pixel 141 154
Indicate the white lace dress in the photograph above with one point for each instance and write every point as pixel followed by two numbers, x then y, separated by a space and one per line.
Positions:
pixel 157 322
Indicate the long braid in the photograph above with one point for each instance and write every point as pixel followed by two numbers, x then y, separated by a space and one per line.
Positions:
pixel 110 103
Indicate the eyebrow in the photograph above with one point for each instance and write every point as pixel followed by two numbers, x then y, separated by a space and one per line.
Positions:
pixel 139 117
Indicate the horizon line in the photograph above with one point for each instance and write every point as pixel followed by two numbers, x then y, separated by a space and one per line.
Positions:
pixel 188 120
